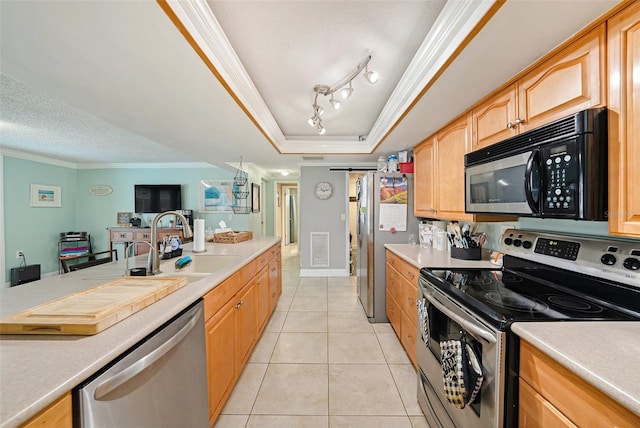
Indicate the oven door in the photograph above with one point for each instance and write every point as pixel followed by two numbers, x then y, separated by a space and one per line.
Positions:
pixel 504 186
pixel 441 319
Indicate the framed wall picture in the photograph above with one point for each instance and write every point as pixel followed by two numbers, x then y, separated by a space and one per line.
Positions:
pixel 46 196
pixel 255 198
pixel 124 219
pixel 217 196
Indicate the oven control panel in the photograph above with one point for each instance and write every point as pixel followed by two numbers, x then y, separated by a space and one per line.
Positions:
pixel 557 248
pixel 618 260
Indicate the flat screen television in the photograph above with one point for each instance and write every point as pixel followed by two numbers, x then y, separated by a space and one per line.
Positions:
pixel 156 198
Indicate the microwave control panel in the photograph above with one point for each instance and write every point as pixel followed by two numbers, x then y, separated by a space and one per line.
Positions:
pixel 560 167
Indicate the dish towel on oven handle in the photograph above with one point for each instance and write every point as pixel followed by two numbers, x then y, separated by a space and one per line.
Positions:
pixel 423 320
pixel 461 372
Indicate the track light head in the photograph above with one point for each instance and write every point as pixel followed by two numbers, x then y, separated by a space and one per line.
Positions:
pixel 335 103
pixel 346 92
pixel 321 129
pixel 313 120
pixel 371 76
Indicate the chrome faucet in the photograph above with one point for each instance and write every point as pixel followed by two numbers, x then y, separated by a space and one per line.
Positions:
pixel 154 261
pixel 152 252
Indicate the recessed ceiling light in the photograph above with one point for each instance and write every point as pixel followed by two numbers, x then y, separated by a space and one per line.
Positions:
pixel 284 173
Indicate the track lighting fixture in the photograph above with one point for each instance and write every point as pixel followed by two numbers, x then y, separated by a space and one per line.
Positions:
pixel 345 92
pixel 335 103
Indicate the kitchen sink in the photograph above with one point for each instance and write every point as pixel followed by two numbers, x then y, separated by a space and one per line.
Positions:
pixel 203 264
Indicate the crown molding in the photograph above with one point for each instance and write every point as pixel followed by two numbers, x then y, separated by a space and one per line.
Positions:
pixel 37 158
pixel 455 22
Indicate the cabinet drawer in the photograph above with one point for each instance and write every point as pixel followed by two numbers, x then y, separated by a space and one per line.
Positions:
pixel 536 412
pixel 117 236
pixel 58 414
pixel 580 402
pixel 274 251
pixel 409 295
pixel 219 296
pixel 406 269
pixel 394 283
pixel 142 236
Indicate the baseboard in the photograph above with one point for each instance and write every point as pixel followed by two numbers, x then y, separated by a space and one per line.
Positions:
pixel 323 272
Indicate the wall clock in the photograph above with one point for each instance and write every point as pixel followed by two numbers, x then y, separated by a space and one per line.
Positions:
pixel 323 190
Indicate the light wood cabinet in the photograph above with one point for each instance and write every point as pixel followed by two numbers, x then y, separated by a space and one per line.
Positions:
pixel 235 313
pixel 624 126
pixel 263 304
pixel 424 178
pixel 222 371
pixel 570 81
pixel 439 173
pixel 275 279
pixel 551 395
pixel 401 293
pixel 58 414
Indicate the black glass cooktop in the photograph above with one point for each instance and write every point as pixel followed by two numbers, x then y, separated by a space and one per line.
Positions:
pixel 536 293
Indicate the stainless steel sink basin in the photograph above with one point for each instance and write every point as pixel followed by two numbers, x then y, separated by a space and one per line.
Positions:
pixel 200 264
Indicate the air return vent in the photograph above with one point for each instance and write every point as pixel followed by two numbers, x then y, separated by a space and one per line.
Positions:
pixel 319 249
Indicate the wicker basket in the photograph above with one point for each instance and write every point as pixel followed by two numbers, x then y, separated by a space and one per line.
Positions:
pixel 232 237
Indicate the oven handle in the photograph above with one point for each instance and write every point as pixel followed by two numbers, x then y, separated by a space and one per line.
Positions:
pixel 466 324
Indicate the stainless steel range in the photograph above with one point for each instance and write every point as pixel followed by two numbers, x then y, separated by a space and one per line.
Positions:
pixel 545 277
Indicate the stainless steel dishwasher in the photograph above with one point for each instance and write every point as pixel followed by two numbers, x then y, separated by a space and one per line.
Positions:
pixel 159 382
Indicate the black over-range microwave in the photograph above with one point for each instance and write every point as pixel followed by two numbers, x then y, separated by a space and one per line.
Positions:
pixel 558 170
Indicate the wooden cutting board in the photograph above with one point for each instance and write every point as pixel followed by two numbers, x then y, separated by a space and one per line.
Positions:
pixel 94 309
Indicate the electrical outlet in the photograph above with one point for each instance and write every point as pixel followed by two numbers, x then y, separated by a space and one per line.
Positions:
pixel 19 254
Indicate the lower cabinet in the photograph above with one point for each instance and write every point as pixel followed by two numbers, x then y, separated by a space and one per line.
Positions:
pixel 58 414
pixel 236 313
pixel 552 396
pixel 401 293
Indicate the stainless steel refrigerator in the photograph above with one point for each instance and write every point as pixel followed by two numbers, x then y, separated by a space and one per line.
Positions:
pixel 372 234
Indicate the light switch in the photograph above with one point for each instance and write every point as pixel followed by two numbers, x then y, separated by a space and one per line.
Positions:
pixel 343 217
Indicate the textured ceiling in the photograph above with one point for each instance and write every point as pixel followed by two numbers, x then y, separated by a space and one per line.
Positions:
pixel 116 82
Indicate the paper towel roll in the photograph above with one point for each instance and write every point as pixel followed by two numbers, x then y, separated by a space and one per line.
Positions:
pixel 198 235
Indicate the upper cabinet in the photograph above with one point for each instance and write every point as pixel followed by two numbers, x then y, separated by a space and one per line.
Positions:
pixel 624 126
pixel 439 173
pixel 570 81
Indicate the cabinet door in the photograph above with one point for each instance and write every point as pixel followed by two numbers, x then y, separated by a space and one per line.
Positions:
pixel 424 179
pixel 58 414
pixel 570 81
pixel 263 300
pixel 624 126
pixel 275 283
pixel 452 144
pixel 245 322
pixel 494 120
pixel 393 313
pixel 409 332
pixel 221 357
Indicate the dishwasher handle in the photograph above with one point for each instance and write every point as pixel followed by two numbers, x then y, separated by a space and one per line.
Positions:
pixel 134 369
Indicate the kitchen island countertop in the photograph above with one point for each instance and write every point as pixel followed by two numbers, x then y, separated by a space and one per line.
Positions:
pixel 430 257
pixel 605 354
pixel 35 370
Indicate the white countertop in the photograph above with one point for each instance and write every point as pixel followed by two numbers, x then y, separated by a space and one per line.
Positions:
pixel 36 369
pixel 605 354
pixel 430 257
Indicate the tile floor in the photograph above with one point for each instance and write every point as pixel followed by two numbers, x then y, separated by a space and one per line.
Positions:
pixel 320 363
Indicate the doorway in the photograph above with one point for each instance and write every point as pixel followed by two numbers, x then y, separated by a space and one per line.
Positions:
pixel 288 222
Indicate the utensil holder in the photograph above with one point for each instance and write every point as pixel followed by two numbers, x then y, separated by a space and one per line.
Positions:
pixel 466 253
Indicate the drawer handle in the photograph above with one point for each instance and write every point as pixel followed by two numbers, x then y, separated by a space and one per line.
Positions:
pixel 239 304
pixel 411 275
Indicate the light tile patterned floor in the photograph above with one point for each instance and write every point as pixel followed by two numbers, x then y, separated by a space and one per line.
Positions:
pixel 321 364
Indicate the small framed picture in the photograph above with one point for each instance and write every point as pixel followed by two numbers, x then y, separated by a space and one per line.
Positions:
pixel 124 219
pixel 46 196
pixel 255 198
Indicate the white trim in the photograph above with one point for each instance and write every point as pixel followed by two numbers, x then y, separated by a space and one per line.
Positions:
pixel 324 272
pixel 51 161
pixel 455 22
pixel 2 244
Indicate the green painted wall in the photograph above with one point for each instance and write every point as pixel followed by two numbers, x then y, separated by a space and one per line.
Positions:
pixel 36 230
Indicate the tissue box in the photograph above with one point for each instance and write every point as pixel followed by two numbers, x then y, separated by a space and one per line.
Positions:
pixel 406 167
pixel 232 237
